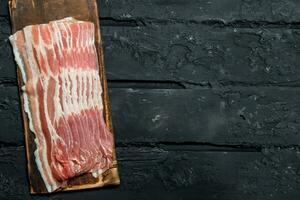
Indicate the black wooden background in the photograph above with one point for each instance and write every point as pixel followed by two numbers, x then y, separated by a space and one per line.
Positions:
pixel 205 96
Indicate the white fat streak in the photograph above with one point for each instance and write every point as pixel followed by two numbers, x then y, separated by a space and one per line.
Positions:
pixel 88 40
pixel 57 38
pixel 84 78
pixel 90 80
pixel 21 65
pixel 87 77
pixel 71 41
pixel 63 27
pixel 58 111
pixel 95 90
pixel 42 47
pixel 80 88
pixel 54 136
pixel 64 19
pixel 98 97
pixel 86 36
pixel 73 102
pixel 29 50
pixel 81 38
pixel 73 76
pixel 51 185
pixel 69 105
pixel 27 110
pixel 48 46
pixel 98 172
pixel 42 53
pixel 81 91
pixel 52 130
pixel 92 39
pixel 18 58
pixel 69 84
pixel 68 96
pixel 91 36
pixel 78 35
pixel 72 91
pixel 64 93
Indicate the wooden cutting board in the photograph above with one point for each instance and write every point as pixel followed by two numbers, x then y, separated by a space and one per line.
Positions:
pixel 28 12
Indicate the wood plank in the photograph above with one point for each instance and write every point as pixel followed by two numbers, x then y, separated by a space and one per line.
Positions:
pixel 7 64
pixel 191 53
pixel 236 116
pixel 203 10
pixel 200 54
pixel 197 10
pixel 28 12
pixel 153 173
pixel 250 116
pixel 10 117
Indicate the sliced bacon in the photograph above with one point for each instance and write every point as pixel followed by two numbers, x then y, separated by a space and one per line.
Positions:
pixel 62 92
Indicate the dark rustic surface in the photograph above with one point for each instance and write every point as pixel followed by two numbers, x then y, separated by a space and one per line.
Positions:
pixel 205 101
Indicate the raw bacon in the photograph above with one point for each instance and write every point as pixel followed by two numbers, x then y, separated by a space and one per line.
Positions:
pixel 62 96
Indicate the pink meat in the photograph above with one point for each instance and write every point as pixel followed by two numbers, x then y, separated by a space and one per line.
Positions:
pixel 63 100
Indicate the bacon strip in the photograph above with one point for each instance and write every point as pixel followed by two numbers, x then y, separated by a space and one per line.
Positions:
pixel 62 97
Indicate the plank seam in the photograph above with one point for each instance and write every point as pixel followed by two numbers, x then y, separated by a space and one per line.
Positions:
pixel 216 23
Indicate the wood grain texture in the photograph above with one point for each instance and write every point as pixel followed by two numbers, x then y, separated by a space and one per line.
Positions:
pixel 180 172
pixel 221 12
pixel 236 116
pixel 200 54
pixel 226 11
pixel 191 53
pixel 255 117
pixel 28 12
